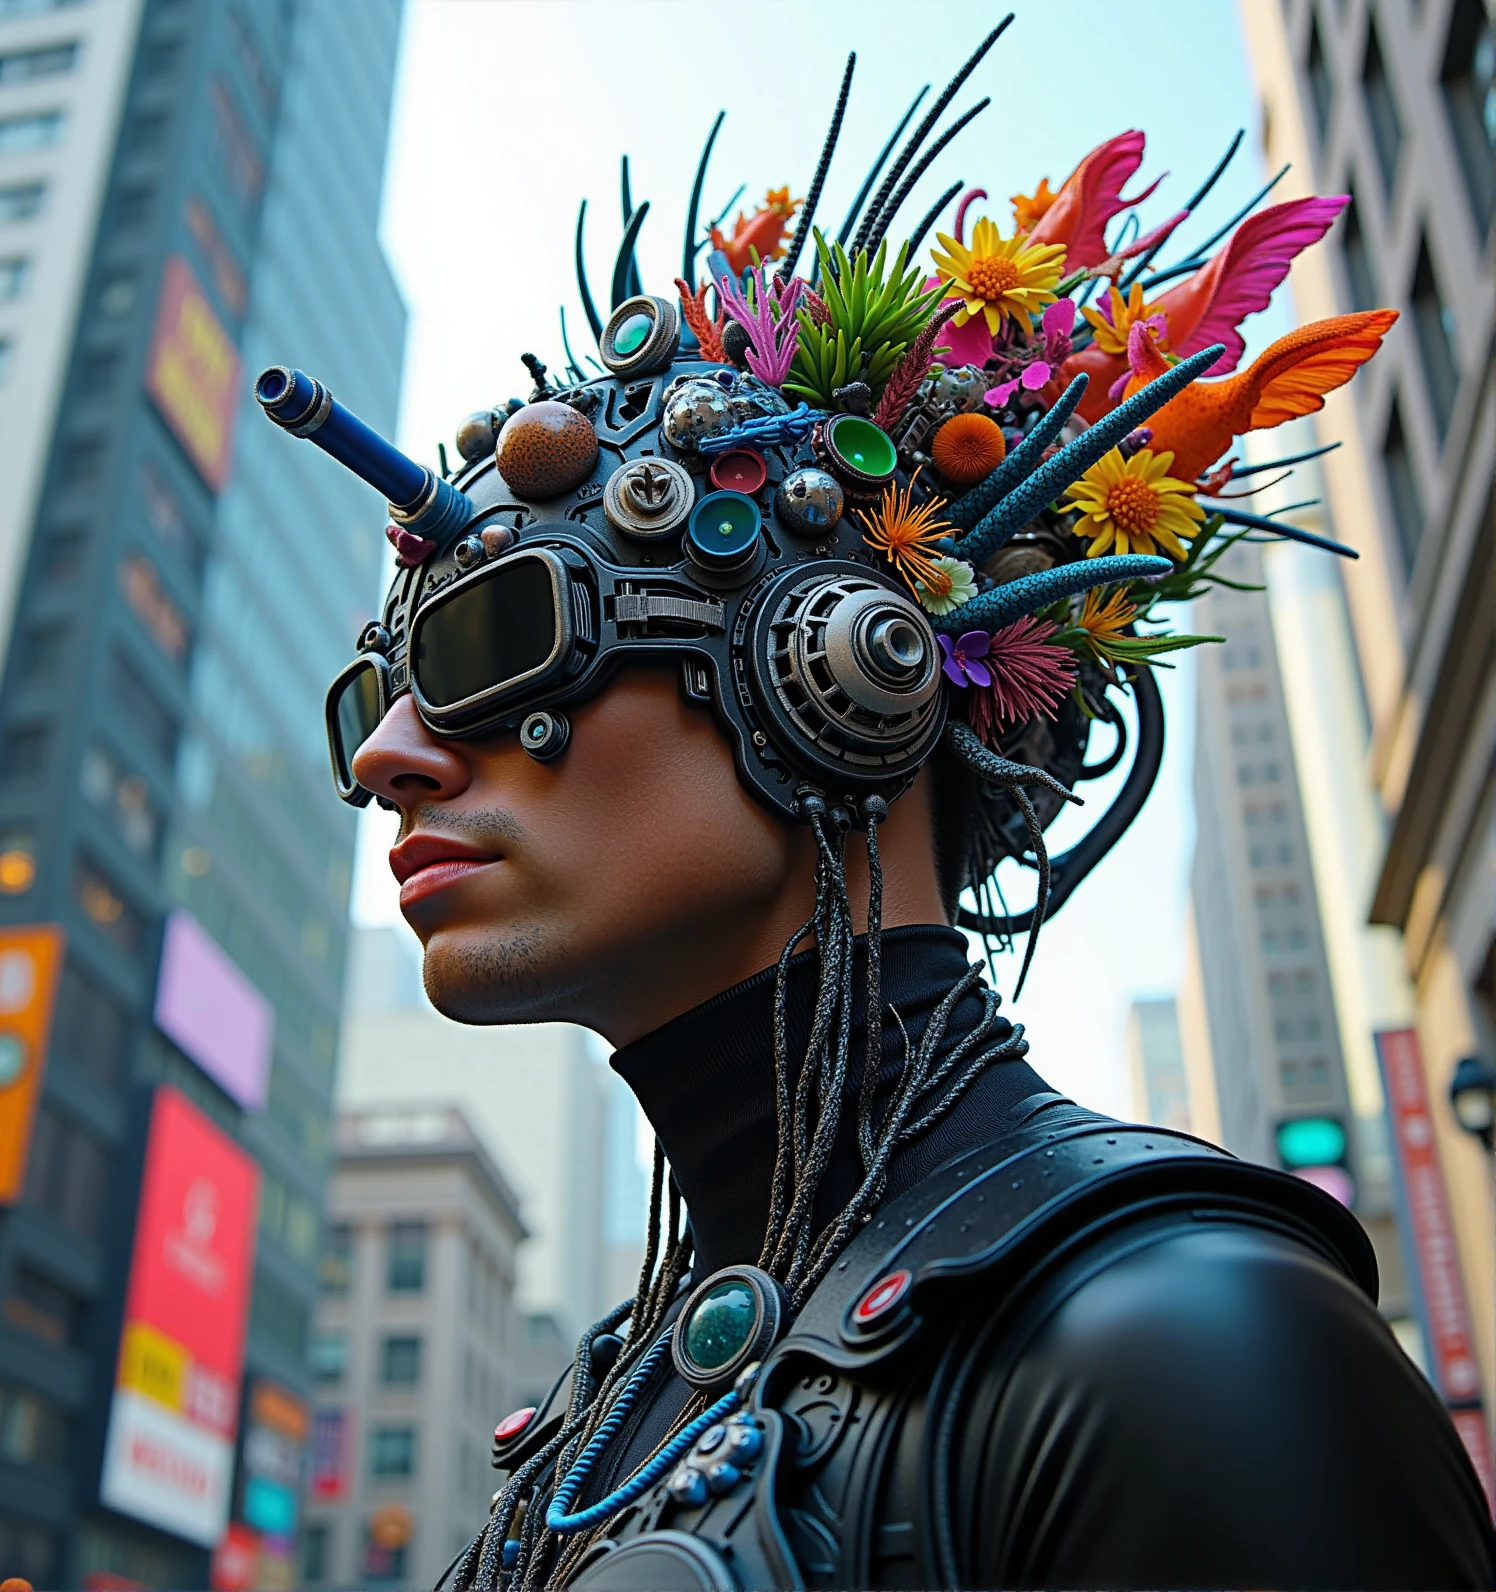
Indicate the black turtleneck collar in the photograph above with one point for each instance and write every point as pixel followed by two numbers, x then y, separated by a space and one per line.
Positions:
pixel 706 1083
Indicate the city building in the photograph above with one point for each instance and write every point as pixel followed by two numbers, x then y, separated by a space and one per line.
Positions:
pixel 411 1356
pixel 559 1122
pixel 184 583
pixel 1278 1085
pixel 1394 103
pixel 1155 1061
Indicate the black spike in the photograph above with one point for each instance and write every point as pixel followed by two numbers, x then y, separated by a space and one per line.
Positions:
pixel 872 176
pixel 920 167
pixel 634 287
pixel 624 264
pixel 808 209
pixel 588 307
pixel 922 132
pixel 917 237
pixel 691 246
pixel 1199 194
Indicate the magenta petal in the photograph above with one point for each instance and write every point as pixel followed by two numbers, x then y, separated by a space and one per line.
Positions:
pixel 996 397
pixel 969 345
pixel 1058 319
pixel 978 672
pixel 1034 376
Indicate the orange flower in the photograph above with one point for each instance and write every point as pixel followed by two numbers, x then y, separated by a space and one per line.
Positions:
pixel 968 448
pixel 1029 208
pixel 906 536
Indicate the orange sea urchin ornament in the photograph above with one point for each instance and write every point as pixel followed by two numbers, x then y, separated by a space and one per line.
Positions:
pixel 968 448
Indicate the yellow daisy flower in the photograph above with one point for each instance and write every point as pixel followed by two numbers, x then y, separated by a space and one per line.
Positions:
pixel 1111 335
pixel 998 277
pixel 1129 505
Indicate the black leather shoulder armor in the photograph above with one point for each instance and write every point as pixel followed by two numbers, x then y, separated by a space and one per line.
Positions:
pixel 851 1404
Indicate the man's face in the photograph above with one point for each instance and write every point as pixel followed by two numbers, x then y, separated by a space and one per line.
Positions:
pixel 616 886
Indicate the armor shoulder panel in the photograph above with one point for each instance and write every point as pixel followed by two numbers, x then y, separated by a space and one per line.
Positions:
pixel 1012 1211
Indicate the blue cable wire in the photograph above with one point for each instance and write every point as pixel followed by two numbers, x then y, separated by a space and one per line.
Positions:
pixel 557 1516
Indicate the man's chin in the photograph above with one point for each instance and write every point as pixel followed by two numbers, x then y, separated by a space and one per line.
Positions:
pixel 486 976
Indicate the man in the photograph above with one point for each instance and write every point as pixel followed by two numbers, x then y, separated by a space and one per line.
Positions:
pixel 702 766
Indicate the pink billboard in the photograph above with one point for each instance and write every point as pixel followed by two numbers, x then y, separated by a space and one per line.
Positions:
pixel 205 1005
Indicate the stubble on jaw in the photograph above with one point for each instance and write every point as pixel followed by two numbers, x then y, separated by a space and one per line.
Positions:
pixel 492 977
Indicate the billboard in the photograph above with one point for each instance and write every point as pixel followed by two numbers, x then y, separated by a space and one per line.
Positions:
pixel 207 1007
pixel 275 1435
pixel 330 1443
pixel 30 963
pixel 192 372
pixel 1428 1234
pixel 169 1453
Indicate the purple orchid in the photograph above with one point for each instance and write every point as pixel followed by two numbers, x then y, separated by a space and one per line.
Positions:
pixel 963 658
pixel 773 341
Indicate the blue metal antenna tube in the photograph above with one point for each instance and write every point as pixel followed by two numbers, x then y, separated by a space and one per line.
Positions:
pixel 418 498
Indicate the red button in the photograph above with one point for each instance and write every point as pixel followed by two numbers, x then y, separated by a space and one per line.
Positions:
pixel 882 1296
pixel 739 470
pixel 512 1425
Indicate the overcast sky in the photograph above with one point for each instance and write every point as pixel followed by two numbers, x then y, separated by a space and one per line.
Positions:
pixel 509 112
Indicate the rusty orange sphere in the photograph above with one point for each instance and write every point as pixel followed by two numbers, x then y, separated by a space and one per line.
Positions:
pixel 546 449
pixel 968 448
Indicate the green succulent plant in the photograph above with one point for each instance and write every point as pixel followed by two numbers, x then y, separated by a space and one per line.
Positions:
pixel 876 310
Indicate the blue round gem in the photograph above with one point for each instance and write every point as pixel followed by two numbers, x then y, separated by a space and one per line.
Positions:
pixel 721 1325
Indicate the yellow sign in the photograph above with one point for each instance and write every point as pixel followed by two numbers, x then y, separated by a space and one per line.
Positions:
pixel 30 961
pixel 193 372
pixel 153 1364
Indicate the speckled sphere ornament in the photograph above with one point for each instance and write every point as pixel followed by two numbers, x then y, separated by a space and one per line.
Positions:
pixel 696 410
pixel 546 449
pixel 809 502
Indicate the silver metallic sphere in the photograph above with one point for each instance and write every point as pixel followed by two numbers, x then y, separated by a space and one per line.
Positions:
pixel 809 501
pixel 697 409
pixel 959 391
pixel 752 398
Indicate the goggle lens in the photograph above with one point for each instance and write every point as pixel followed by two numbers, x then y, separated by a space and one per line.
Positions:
pixel 356 714
pixel 490 634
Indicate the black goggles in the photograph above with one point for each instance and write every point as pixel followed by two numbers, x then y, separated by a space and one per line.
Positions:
pixel 507 639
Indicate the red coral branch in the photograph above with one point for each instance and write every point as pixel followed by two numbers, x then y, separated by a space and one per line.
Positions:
pixel 911 370
pixel 708 332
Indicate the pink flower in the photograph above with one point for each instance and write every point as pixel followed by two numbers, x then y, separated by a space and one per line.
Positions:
pixel 1030 676
pixel 963 658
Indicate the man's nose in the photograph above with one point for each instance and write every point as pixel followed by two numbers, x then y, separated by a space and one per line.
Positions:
pixel 403 762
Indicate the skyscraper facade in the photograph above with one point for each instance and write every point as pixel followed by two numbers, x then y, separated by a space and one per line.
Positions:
pixel 187 585
pixel 1395 104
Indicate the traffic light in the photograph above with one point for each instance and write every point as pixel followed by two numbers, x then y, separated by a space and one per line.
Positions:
pixel 1318 1150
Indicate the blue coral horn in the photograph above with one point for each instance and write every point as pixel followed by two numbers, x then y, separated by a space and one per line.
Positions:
pixel 966 511
pixel 991 610
pixel 419 498
pixel 1072 461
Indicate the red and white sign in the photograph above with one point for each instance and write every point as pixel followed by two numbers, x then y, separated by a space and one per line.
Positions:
pixel 168 1457
pixel 1440 1290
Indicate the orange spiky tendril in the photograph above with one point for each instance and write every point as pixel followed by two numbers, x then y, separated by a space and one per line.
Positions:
pixel 761 234
pixel 1106 613
pixel 708 332
pixel 906 536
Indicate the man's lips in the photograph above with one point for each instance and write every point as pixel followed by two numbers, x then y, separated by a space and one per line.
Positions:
pixel 424 864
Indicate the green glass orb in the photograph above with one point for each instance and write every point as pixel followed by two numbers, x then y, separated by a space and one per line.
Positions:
pixel 630 337
pixel 721 1325
pixel 864 446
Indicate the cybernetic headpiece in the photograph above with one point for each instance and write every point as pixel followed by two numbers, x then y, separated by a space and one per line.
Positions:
pixel 878 513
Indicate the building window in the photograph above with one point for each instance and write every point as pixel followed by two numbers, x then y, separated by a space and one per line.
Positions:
pixel 143 711
pixel 36 130
pixel 132 204
pixel 124 797
pixel 14 275
pixel 1360 273
pixel 152 606
pixel 329 1358
pixel 33 1430
pixel 1434 327
pixel 1381 108
pixel 335 1267
pixel 279 1314
pixel 316 1552
pixel 103 903
pixel 23 753
pixel 1469 80
pixel 407 1257
pixel 21 201
pixel 66 1174
pixel 400 1365
pixel 44 1309
pixel 1317 69
pixel 91 1028
pixel 1402 489
pixel 25 66
pixel 42 652
pixel 392 1451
